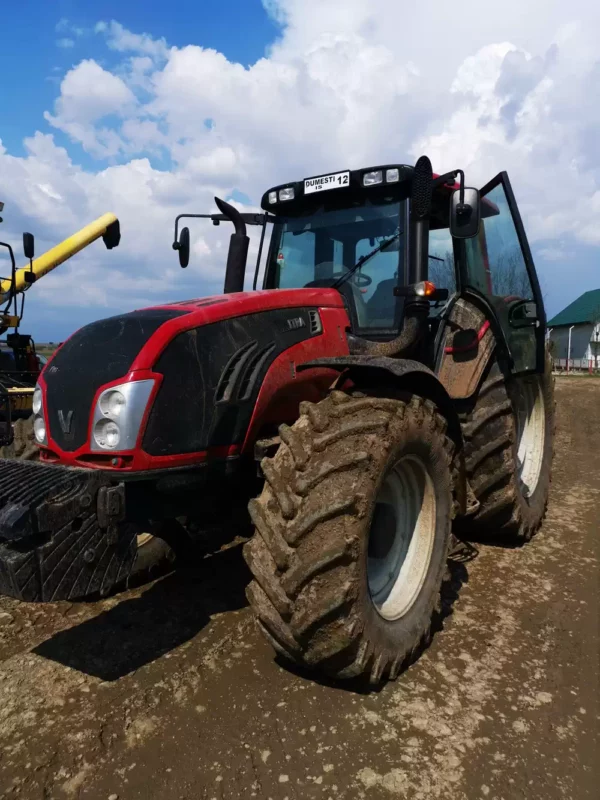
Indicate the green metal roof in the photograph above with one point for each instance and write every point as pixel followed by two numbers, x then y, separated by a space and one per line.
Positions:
pixel 585 309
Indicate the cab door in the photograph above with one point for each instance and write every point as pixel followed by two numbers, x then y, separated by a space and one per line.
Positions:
pixel 499 265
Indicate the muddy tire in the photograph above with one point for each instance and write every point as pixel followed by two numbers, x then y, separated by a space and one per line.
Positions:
pixel 23 446
pixel 154 556
pixel 329 523
pixel 509 440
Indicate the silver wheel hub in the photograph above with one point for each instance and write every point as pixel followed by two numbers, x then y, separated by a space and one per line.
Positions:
pixel 401 537
pixel 531 425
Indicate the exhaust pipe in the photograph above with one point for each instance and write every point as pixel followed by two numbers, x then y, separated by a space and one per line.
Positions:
pixel 235 272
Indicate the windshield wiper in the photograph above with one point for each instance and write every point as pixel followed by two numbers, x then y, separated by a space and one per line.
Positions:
pixel 367 257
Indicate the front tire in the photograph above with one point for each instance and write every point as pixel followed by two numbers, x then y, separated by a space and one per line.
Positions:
pixel 352 535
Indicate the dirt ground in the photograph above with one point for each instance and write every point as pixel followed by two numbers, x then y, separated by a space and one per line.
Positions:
pixel 169 692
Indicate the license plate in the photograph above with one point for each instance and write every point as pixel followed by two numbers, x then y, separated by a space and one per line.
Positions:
pixel 337 180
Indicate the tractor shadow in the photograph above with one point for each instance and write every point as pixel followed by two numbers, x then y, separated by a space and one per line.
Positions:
pixel 146 624
pixel 141 628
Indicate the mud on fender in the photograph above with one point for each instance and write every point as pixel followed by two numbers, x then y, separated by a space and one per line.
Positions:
pixel 59 532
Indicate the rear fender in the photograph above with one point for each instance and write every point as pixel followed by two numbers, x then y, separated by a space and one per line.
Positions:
pixel 400 374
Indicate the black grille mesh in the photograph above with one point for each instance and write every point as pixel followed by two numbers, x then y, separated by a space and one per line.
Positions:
pixel 98 353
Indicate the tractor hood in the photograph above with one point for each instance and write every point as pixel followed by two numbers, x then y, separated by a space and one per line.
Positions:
pixel 203 362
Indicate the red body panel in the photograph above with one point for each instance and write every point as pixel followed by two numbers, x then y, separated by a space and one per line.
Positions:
pixel 281 391
pixel 284 387
pixel 214 309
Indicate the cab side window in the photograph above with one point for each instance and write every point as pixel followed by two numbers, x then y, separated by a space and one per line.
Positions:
pixel 441 260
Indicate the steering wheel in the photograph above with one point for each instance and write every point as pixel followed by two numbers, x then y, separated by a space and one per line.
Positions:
pixel 360 280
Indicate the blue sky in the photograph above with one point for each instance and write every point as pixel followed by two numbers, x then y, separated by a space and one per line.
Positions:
pixel 148 110
pixel 64 34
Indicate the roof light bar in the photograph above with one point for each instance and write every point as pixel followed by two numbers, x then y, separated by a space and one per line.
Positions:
pixel 372 178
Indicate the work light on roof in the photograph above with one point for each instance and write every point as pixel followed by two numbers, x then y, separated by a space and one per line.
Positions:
pixel 272 197
pixel 286 194
pixel 392 175
pixel 373 178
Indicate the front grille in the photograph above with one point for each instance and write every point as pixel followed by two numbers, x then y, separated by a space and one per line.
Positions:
pixel 97 354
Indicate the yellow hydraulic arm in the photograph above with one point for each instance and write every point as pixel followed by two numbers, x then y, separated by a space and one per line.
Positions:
pixel 106 226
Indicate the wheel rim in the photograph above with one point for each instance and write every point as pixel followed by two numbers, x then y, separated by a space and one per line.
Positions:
pixel 401 538
pixel 531 424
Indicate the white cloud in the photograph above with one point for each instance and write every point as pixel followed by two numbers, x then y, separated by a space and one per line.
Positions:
pixel 65 43
pixel 64 25
pixel 513 86
pixel 88 94
pixel 120 39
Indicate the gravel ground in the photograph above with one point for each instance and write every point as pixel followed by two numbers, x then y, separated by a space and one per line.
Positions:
pixel 168 692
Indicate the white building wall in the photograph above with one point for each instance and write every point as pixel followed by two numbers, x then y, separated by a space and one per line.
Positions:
pixel 594 344
pixel 580 341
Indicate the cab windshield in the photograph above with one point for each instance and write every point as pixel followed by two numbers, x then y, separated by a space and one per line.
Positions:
pixel 322 247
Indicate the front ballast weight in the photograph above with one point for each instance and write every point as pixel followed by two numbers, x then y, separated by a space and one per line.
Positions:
pixel 62 535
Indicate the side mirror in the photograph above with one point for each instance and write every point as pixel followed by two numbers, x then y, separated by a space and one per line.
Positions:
pixel 28 245
pixel 183 247
pixel 465 217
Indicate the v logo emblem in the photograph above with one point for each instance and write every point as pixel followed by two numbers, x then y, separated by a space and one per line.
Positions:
pixel 65 420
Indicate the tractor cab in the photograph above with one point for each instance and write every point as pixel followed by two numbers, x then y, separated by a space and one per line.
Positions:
pixel 370 233
pixel 350 230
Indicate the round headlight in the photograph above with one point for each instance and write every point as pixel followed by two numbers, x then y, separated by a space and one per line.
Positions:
pixel 112 403
pixel 37 400
pixel 107 434
pixel 39 429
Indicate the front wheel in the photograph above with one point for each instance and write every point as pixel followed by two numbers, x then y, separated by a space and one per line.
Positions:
pixel 352 534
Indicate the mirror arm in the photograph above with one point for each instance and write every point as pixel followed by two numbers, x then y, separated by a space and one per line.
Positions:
pixel 11 292
pixel 461 190
pixel 186 216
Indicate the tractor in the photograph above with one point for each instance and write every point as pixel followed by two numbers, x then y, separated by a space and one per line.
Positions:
pixel 386 388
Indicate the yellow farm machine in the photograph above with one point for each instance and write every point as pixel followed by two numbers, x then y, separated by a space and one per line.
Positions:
pixel 20 365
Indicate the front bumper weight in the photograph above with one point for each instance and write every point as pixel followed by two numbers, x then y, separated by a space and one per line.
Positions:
pixel 62 535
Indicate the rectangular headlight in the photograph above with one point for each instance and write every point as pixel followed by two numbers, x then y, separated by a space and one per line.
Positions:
pixel 272 197
pixel 392 175
pixel 286 194
pixel 372 178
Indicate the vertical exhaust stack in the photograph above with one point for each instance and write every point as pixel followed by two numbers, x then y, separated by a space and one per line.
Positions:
pixel 235 271
pixel 422 189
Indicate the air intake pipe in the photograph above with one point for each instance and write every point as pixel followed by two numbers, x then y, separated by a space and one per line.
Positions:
pixel 235 272
pixel 416 309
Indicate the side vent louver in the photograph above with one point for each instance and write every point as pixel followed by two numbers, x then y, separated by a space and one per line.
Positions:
pixel 232 371
pixel 316 326
pixel 253 371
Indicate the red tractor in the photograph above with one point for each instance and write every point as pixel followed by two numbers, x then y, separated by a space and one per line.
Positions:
pixel 390 378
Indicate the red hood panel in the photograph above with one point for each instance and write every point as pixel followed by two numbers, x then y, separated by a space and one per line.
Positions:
pixel 207 310
pixel 249 302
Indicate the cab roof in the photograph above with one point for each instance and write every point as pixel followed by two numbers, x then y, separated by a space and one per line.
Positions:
pixel 352 185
